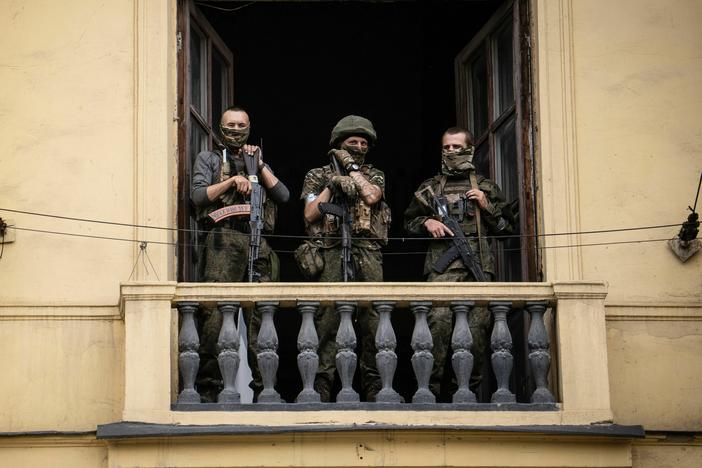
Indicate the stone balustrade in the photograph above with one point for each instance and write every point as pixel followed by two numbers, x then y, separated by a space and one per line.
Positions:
pixel 386 359
pixel 561 346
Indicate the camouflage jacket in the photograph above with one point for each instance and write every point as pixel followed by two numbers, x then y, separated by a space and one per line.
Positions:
pixel 496 219
pixel 319 178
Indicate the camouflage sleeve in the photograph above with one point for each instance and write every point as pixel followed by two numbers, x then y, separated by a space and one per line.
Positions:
pixel 204 170
pixel 497 216
pixel 417 213
pixel 314 183
pixel 377 177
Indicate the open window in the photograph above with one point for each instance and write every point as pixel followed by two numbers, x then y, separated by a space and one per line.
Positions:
pixel 413 68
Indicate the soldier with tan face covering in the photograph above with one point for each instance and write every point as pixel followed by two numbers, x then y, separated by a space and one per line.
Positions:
pixel 478 207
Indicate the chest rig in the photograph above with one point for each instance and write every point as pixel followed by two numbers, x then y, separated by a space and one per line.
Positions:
pixel 457 204
pixel 236 201
pixel 366 221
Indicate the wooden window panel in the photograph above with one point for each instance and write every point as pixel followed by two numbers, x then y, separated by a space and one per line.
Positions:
pixel 504 145
pixel 202 54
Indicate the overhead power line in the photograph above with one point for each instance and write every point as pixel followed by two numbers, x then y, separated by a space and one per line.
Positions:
pixel 174 244
pixel 291 236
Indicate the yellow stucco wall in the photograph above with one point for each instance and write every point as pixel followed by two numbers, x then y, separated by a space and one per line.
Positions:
pixel 674 451
pixel 66 146
pixel 637 69
pixel 65 373
pixel 636 72
pixel 53 451
pixel 618 96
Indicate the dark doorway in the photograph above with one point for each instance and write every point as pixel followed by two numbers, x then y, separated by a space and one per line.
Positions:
pixel 301 66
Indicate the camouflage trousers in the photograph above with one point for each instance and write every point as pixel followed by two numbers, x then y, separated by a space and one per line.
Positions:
pixel 440 325
pixel 368 267
pixel 226 259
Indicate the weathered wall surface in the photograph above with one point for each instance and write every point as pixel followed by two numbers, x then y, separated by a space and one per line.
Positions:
pixel 66 147
pixel 65 372
pixel 621 147
pixel 687 452
pixel 56 452
pixel 637 69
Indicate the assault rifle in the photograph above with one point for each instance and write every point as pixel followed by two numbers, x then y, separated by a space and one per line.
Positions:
pixel 460 247
pixel 256 217
pixel 341 211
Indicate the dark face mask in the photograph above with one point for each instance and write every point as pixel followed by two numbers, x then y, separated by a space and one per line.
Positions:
pixel 358 154
pixel 235 138
pixel 457 162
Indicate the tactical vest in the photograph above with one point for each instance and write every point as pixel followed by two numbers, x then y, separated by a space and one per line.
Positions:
pixel 366 221
pixel 232 197
pixel 458 205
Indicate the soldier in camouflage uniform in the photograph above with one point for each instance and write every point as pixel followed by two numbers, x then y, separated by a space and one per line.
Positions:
pixel 457 182
pixel 219 181
pixel 363 188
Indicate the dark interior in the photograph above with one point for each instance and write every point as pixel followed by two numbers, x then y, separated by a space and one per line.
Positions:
pixel 301 66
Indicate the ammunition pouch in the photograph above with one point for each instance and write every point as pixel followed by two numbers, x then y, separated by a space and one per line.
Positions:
pixel 381 217
pixel 309 259
pixel 361 214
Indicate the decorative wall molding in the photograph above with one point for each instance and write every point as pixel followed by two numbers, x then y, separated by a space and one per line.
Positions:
pixel 557 138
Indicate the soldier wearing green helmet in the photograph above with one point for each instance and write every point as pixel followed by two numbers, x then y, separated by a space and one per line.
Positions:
pixel 362 187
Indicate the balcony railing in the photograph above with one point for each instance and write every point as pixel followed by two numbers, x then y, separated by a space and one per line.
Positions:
pixel 564 357
pixel 422 359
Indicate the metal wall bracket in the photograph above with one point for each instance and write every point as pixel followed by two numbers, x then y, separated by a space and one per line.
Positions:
pixel 684 250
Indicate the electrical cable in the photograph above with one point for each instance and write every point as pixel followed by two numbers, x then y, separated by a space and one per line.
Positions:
pixel 292 236
pixel 174 244
pixel 228 10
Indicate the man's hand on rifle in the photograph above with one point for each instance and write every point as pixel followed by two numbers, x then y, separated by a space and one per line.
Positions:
pixel 251 149
pixel 345 184
pixel 437 228
pixel 343 156
pixel 241 184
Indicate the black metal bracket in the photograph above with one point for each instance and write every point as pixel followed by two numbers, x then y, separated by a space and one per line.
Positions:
pixel 3 227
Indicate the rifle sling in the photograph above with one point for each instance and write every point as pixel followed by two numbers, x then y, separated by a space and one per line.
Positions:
pixel 474 184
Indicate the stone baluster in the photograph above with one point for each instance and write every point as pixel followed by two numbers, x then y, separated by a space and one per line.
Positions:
pixel 462 359
pixel 267 352
pixel 307 359
pixel 345 356
pixel 386 359
pixel 422 359
pixel 501 344
pixel 539 354
pixel 188 357
pixel 228 347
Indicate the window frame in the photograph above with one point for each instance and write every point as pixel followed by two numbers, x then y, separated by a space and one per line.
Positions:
pixel 188 14
pixel 484 42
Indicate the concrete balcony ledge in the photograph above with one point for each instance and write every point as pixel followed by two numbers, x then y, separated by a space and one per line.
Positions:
pixel 578 343
pixel 129 430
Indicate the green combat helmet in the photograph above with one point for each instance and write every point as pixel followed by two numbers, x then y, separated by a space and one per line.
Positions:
pixel 352 125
